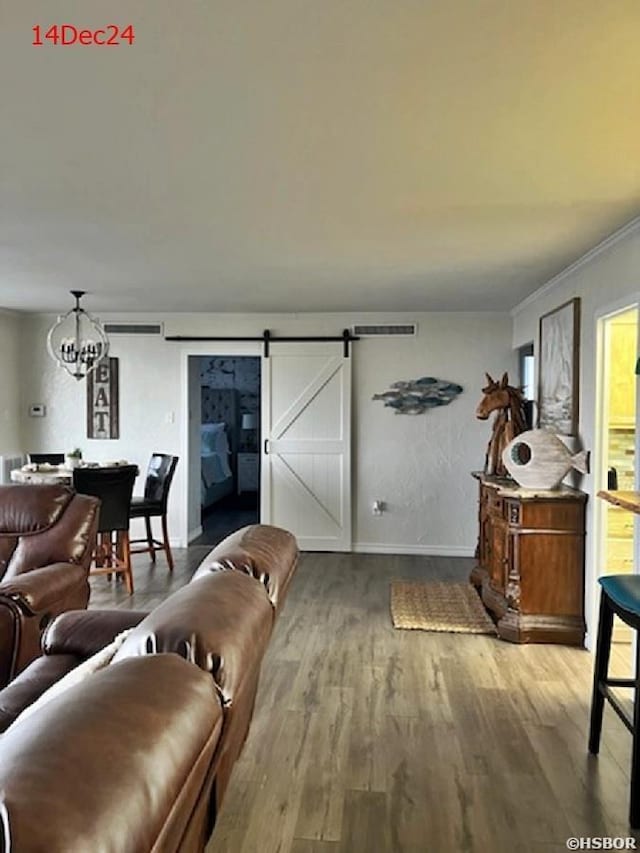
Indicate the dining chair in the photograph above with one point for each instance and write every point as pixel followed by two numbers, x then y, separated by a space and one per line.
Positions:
pixel 43 458
pixel 114 487
pixel 160 473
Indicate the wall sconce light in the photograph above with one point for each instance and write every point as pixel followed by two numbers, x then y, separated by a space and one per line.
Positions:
pixel 77 341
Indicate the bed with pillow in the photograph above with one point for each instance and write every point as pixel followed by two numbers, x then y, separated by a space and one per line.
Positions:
pixel 216 473
pixel 218 443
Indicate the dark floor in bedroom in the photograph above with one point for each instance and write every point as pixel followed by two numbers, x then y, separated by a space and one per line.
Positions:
pixel 227 515
pixel 370 739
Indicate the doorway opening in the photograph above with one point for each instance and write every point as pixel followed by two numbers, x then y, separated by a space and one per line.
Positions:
pixel 526 363
pixel 227 435
pixel 617 441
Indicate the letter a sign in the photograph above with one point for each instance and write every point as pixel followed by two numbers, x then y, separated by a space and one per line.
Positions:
pixel 102 400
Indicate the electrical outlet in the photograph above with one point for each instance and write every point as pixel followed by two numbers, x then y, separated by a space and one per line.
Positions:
pixel 378 507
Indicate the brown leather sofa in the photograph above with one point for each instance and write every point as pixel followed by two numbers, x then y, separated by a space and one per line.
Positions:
pixel 47 535
pixel 164 778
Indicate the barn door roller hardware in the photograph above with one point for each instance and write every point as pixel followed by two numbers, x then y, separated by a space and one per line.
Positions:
pixel 268 339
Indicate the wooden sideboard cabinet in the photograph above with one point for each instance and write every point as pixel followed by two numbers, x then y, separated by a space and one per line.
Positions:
pixel 530 561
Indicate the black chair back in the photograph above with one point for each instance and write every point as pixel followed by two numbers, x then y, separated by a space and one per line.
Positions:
pixel 114 487
pixel 42 458
pixel 159 476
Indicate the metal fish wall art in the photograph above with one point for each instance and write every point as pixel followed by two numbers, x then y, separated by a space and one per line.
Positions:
pixel 416 396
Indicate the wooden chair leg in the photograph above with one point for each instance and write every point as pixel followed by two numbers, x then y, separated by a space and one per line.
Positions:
pixel 103 548
pixel 126 560
pixel 120 548
pixel 600 670
pixel 150 543
pixel 165 539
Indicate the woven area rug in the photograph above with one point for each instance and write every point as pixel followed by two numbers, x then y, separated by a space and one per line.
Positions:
pixel 439 606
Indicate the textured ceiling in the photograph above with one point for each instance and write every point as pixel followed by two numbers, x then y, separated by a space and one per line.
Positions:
pixel 325 156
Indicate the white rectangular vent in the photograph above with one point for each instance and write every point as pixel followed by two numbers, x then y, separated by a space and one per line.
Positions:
pixel 133 328
pixel 386 330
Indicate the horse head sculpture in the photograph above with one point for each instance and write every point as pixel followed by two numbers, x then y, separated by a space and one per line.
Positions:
pixel 510 420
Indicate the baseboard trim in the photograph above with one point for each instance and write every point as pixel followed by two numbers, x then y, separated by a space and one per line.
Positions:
pixel 193 534
pixel 420 550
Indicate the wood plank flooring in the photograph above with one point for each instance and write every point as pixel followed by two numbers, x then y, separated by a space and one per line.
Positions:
pixel 370 739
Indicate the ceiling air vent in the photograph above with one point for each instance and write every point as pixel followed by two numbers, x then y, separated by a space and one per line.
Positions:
pixel 386 330
pixel 133 328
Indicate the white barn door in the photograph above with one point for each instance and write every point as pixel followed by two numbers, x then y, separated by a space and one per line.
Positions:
pixel 306 453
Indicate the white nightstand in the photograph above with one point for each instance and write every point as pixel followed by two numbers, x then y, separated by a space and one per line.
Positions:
pixel 247 472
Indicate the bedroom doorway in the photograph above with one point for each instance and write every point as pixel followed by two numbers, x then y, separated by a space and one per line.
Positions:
pixel 228 410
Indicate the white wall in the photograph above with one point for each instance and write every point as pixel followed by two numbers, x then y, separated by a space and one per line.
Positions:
pixel 419 465
pixel 194 380
pixel 10 370
pixel 606 279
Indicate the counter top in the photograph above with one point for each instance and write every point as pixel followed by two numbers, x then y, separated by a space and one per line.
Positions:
pixel 510 489
pixel 625 500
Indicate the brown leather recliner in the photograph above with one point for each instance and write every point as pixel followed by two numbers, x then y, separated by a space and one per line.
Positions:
pixel 47 536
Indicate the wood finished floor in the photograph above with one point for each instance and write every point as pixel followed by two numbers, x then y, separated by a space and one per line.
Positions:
pixel 374 740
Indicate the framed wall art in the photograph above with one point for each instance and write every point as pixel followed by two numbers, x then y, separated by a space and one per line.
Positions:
pixel 102 400
pixel 558 369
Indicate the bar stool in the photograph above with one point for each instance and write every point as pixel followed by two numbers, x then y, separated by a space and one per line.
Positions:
pixel 621 597
pixel 114 487
pixel 160 473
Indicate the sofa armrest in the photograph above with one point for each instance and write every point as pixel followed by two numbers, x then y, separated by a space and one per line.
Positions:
pixel 85 632
pixel 38 590
pixel 31 683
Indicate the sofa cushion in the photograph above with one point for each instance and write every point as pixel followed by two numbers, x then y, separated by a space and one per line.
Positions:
pixel 155 753
pixel 221 622
pixel 269 554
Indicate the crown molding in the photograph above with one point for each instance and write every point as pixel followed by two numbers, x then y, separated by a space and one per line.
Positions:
pixel 607 243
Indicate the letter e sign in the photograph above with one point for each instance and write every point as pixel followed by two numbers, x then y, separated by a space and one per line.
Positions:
pixel 102 400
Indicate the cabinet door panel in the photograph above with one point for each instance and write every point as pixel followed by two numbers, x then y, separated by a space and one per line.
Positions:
pixel 551 574
pixel 498 554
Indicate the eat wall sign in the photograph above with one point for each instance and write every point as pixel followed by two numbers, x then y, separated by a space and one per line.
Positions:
pixel 102 400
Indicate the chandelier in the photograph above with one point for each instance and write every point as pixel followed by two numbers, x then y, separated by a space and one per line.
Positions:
pixel 77 341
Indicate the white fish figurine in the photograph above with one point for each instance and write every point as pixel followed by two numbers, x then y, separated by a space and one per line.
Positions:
pixel 538 459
